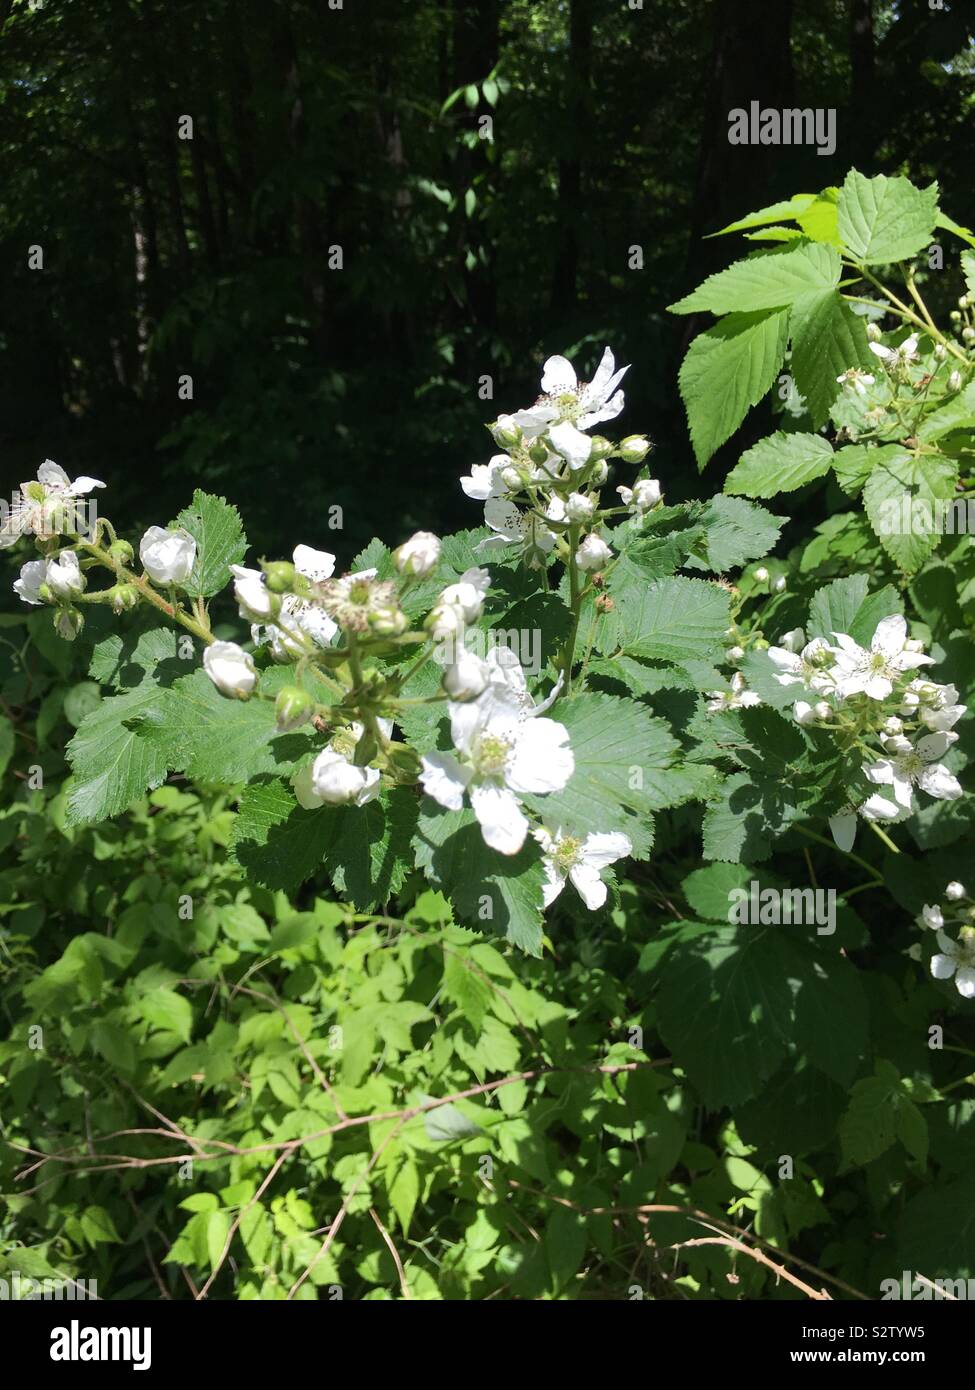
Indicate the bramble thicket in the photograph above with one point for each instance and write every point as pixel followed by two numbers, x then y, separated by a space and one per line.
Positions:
pixel 432 922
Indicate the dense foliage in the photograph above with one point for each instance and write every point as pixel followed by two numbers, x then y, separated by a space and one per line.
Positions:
pixel 219 1065
pixel 572 899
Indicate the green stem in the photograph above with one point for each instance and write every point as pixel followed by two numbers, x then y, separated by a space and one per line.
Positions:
pixel 883 836
pixel 368 715
pixel 139 582
pixel 821 840
pixel 575 603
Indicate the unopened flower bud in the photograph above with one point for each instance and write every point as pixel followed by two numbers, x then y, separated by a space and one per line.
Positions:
pixel 579 507
pixel 334 780
pixel 419 555
pixel 593 553
pixel 600 472
pixel 601 448
pixel 122 552
pixel 506 432
pixel 968 333
pixel 873 333
pixel 804 713
pixel 634 448
pixel 388 622
pixel 955 890
pixel 64 576
pixel 954 381
pixel 511 477
pixel 822 710
pixel 167 556
pixel 760 575
pixel 778 585
pixel 68 623
pixel 646 494
pixel 230 668
pixel 292 708
pixel 963 302
pixel 444 621
pixel 538 454
pixel 893 726
pixel 124 597
pixel 735 653
pixel 955 316
pixel 466 678
pixel 940 352
pixel 279 576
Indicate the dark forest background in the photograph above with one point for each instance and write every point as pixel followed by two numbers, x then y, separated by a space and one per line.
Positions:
pixel 357 127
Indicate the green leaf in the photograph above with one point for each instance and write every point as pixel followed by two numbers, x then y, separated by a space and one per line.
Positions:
pixel 959 413
pixel 731 1002
pixel 227 741
pixel 827 339
pixel 220 542
pixel 728 369
pixel 164 1008
pixel 937 1231
pixel 80 701
pixel 707 889
pixel 112 764
pixel 725 1011
pixel 98 1227
pixel 467 987
pixel 846 606
pixel 775 212
pixel 674 619
pixel 882 220
pixel 901 497
pixel 565 1244
pixel 736 532
pixel 765 280
pixel 780 463
pixel 275 840
pixel 403 1187
pixel 148 650
pixel 869 1126
pixel 370 857
pixel 750 811
pixel 489 891
pixel 950 225
pixel 968 270
pixel 854 464
pixel 624 770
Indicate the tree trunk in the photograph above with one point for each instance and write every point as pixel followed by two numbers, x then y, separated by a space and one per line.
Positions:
pixel 578 118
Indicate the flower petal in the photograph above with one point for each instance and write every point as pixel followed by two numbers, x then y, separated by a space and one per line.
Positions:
pixel 444 779
pixel 542 760
pixel 502 823
pixel 590 887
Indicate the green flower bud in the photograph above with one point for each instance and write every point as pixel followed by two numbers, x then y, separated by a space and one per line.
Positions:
pixel 68 623
pixel 280 576
pixel 122 552
pixel 538 453
pixel 124 597
pixel 634 448
pixel 388 622
pixel 293 707
pixel 601 448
